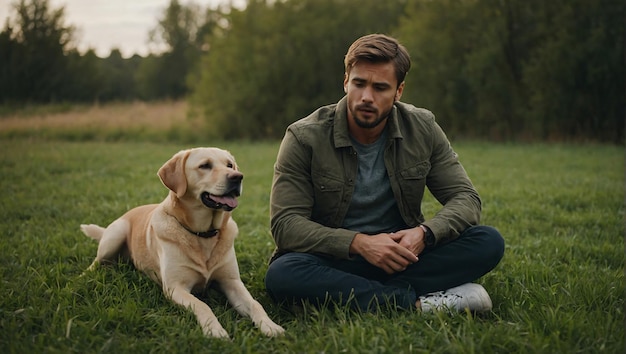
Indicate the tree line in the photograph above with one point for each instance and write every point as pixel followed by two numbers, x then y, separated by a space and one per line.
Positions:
pixel 501 70
pixel 39 62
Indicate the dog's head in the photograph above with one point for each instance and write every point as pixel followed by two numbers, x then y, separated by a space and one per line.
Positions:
pixel 210 175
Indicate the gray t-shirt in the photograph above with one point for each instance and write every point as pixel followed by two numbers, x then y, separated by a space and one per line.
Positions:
pixel 373 208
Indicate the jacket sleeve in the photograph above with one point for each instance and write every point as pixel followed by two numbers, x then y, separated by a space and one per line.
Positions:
pixel 451 186
pixel 291 205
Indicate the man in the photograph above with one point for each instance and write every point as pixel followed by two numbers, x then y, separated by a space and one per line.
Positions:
pixel 346 201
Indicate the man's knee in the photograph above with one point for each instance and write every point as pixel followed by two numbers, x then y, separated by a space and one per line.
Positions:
pixel 496 241
pixel 491 242
pixel 275 273
pixel 284 273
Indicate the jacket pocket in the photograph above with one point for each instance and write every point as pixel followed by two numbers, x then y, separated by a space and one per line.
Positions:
pixel 419 171
pixel 412 181
pixel 328 196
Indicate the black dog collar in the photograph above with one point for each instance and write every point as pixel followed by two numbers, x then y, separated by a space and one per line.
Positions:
pixel 204 234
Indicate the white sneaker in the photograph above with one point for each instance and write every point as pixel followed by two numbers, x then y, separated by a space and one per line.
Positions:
pixel 467 296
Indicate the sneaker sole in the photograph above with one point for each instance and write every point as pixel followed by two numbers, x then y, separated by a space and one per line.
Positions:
pixel 475 297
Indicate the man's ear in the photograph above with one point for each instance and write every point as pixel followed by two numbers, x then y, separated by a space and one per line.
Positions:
pixel 399 91
pixel 172 173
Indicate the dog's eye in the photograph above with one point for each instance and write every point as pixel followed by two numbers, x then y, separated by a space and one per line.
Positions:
pixel 229 165
pixel 206 166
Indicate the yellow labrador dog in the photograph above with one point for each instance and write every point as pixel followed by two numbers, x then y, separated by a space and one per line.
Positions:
pixel 187 240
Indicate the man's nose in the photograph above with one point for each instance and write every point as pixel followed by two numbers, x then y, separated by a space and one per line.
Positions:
pixel 368 94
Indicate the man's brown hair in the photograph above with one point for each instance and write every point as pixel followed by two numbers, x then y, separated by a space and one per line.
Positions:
pixel 379 48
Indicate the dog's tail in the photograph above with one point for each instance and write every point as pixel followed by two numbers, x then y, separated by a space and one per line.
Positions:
pixel 93 231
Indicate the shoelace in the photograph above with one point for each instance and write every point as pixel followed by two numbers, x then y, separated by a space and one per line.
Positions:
pixel 442 295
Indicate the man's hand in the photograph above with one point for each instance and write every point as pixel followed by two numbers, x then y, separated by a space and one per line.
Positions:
pixel 412 239
pixel 383 251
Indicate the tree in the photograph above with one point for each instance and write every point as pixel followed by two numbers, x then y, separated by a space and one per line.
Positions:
pixel 39 62
pixel 575 76
pixel 36 45
pixel 437 36
pixel 519 69
pixel 180 31
pixel 118 77
pixel 276 61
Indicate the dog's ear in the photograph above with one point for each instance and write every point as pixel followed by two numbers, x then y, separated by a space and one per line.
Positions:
pixel 172 173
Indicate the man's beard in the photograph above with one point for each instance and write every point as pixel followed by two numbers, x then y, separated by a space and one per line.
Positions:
pixel 368 124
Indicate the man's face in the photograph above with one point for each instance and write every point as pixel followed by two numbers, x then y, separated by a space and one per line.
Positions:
pixel 372 88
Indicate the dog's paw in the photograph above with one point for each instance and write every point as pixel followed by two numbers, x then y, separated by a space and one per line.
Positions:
pixel 90 269
pixel 271 329
pixel 216 332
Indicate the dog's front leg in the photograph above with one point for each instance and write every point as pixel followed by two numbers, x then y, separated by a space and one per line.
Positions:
pixel 241 299
pixel 206 318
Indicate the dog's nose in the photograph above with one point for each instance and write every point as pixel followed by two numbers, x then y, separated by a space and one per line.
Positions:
pixel 235 177
pixel 234 183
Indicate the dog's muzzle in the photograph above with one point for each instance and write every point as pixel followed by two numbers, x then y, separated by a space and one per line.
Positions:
pixel 227 201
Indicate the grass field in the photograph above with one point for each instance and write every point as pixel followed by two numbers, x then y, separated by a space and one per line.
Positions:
pixel 559 288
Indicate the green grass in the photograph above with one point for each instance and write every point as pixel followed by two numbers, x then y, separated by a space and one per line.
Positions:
pixel 559 288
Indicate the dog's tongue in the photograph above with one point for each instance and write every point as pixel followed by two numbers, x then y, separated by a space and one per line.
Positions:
pixel 230 201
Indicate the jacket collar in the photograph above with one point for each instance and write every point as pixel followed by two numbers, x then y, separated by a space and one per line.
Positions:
pixel 341 135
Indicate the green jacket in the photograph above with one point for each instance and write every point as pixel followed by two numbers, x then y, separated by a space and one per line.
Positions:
pixel 316 168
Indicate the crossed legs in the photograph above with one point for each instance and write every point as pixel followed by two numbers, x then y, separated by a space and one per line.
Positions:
pixel 296 277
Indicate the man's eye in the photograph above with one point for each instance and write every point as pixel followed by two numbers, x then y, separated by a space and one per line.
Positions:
pixel 206 166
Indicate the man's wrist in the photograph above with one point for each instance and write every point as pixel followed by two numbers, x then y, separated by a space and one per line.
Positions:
pixel 429 237
pixel 354 245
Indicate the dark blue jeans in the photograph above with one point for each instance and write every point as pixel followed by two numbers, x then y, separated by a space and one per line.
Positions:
pixel 296 277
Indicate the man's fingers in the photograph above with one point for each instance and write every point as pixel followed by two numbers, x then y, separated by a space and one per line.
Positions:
pixel 408 255
pixel 395 236
pixel 401 261
pixel 405 240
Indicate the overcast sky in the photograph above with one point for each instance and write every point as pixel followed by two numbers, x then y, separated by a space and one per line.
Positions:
pixel 106 24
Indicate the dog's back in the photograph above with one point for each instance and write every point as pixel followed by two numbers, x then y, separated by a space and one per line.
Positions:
pixel 114 240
